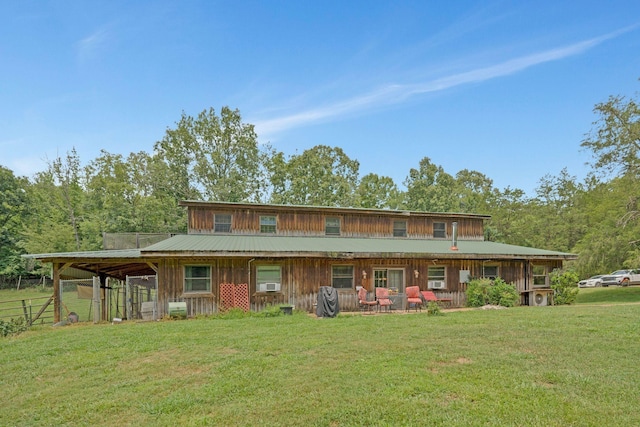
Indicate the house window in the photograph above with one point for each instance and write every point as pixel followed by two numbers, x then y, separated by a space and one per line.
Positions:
pixel 439 230
pixel 399 228
pixel 332 226
pixel 539 275
pixel 342 276
pixel 197 278
pixel 436 273
pixel 268 274
pixel 436 277
pixel 268 224
pixel 222 223
pixel 391 278
pixel 490 271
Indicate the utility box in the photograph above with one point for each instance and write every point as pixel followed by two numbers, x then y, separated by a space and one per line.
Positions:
pixel 177 310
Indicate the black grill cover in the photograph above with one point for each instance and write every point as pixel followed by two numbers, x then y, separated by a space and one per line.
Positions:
pixel 327 302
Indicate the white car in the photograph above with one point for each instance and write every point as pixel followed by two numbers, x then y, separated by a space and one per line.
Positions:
pixel 591 282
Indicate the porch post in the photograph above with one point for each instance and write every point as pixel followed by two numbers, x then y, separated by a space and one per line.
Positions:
pixel 57 307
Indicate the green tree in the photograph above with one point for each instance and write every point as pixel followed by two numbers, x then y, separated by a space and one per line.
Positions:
pixel 615 139
pixel 474 191
pixel 12 209
pixel 212 157
pixel 378 192
pixel 321 176
pixel 431 189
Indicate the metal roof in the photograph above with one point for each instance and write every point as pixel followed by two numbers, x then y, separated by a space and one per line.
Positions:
pixel 110 254
pixel 325 209
pixel 287 246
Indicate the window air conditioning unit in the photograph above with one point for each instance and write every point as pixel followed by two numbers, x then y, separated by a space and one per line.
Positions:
pixel 436 284
pixel 538 299
pixel 268 287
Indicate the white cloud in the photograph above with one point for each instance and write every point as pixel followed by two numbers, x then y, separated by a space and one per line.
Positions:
pixel 397 93
pixel 90 45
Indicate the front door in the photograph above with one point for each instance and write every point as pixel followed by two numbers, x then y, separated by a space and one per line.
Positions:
pixel 393 279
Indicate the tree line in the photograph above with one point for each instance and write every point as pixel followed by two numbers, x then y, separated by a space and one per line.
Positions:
pixel 215 156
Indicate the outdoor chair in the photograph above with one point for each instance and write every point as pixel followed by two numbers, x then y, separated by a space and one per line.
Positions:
pixel 413 298
pixel 382 295
pixel 362 300
pixel 431 296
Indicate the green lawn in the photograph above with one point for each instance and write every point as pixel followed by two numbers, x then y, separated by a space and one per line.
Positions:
pixel 526 366
pixel 609 295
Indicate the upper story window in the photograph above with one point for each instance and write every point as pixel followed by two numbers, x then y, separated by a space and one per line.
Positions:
pixel 197 278
pixel 332 226
pixel 439 230
pixel 268 224
pixel 342 276
pixel 222 223
pixel 399 228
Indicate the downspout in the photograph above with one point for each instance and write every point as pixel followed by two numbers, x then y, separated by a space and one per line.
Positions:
pixel 454 236
pixel 249 271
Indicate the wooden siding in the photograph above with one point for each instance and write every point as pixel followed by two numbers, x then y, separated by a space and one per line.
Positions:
pixel 301 278
pixel 247 221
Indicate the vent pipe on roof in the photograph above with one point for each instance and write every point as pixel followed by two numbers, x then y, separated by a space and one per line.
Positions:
pixel 454 237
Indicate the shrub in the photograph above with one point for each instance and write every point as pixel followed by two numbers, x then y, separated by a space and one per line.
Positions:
pixel 13 327
pixel 433 309
pixel 565 286
pixel 496 292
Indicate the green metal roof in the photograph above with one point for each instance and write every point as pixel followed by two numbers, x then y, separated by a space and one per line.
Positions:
pixel 252 245
pixel 317 247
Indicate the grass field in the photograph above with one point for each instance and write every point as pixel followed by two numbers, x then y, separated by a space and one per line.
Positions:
pixel 534 366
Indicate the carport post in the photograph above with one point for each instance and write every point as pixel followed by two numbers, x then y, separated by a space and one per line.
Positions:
pixel 96 299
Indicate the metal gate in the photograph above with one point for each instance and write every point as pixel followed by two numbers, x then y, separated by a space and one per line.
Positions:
pixel 142 297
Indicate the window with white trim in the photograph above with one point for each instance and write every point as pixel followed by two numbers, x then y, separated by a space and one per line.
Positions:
pixel 268 224
pixel 222 223
pixel 342 276
pixel 436 273
pixel 197 278
pixel 439 230
pixel 540 276
pixel 268 274
pixel 391 278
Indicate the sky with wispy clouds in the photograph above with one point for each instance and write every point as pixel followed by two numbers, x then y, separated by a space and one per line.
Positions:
pixel 504 88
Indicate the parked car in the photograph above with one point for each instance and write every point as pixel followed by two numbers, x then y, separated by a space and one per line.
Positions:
pixel 591 282
pixel 622 278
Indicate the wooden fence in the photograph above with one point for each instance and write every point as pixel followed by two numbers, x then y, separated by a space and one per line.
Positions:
pixel 32 310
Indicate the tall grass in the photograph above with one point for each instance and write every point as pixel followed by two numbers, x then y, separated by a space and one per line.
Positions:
pixel 534 366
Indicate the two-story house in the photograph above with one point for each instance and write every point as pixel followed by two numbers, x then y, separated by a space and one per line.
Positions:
pixel 285 253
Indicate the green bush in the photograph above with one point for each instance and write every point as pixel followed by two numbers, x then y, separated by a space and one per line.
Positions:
pixel 13 327
pixel 565 286
pixel 433 309
pixel 496 292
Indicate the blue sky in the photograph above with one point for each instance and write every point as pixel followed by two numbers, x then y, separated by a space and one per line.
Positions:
pixel 504 88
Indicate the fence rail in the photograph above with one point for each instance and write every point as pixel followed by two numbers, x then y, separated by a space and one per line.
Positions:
pixel 32 310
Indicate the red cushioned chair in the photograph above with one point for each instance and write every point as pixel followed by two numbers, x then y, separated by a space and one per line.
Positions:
pixel 382 295
pixel 413 298
pixel 362 300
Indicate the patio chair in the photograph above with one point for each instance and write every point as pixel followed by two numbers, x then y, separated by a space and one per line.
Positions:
pixel 413 298
pixel 382 295
pixel 431 296
pixel 362 300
